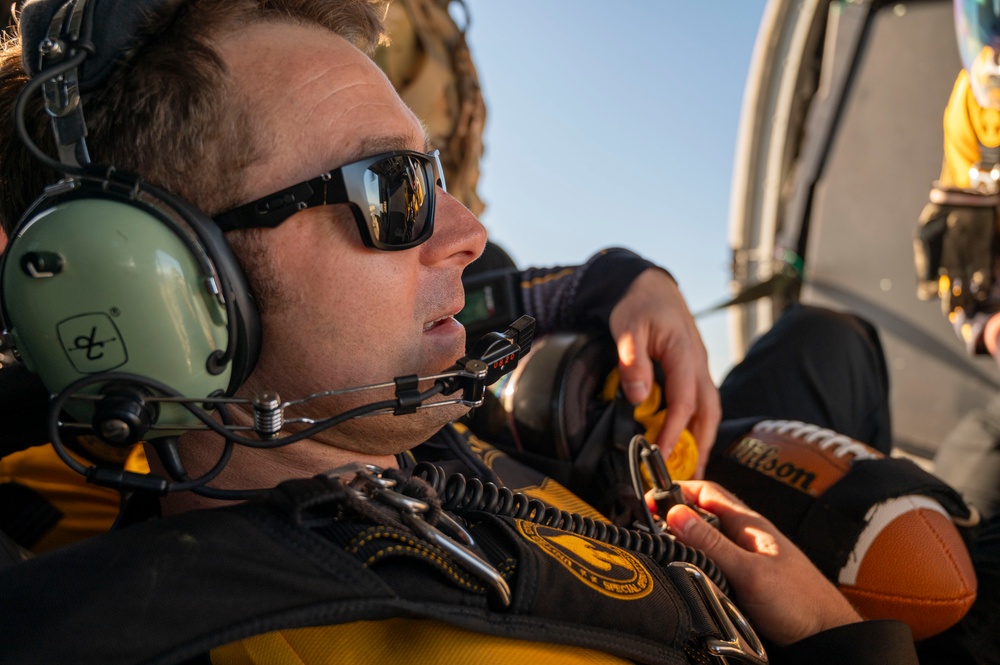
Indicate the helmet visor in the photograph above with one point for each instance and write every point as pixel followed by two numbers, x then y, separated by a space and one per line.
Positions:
pixel 977 28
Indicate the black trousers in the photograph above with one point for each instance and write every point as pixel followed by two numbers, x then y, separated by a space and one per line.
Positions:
pixel 815 365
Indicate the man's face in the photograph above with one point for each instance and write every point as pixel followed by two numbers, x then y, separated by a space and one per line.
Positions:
pixel 344 315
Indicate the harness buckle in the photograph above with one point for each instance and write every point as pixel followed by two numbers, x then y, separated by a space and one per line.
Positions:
pixel 739 641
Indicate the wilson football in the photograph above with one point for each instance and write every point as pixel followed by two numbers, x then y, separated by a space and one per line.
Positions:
pixel 905 558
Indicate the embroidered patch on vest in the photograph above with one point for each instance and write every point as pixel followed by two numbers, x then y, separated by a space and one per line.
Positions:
pixel 607 569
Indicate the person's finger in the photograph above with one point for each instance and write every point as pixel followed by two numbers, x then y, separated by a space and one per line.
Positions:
pixel 777 587
pixel 713 497
pixel 748 529
pixel 634 366
pixel 689 528
pixel 679 396
pixel 717 500
pixel 705 424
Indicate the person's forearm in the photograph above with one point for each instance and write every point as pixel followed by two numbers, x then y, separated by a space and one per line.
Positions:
pixel 860 643
pixel 580 296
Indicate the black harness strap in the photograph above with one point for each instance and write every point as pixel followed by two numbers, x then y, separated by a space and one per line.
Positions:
pixel 168 590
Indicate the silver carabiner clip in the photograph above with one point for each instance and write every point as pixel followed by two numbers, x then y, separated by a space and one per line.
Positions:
pixel 411 510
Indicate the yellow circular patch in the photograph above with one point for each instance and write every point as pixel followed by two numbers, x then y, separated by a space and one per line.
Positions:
pixel 607 569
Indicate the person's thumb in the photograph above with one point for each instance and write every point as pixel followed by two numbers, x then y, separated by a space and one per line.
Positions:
pixel 689 528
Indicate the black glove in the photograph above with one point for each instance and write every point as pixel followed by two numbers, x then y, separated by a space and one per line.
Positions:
pixel 954 246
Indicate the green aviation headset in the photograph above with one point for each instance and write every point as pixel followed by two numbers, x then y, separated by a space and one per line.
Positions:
pixel 107 276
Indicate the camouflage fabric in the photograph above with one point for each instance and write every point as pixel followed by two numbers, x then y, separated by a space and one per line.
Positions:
pixel 429 63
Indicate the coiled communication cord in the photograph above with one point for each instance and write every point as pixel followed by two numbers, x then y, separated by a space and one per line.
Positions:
pixel 460 494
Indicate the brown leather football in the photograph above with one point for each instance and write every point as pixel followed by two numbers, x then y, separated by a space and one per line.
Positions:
pixel 909 561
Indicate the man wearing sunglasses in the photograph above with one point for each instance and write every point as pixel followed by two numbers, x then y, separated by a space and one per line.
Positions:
pixel 391 197
pixel 299 147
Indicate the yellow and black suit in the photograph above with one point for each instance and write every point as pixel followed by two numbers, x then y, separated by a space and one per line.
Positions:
pixel 956 241
pixel 967 127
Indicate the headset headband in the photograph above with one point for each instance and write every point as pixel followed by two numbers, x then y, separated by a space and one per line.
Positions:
pixel 114 27
pixel 70 48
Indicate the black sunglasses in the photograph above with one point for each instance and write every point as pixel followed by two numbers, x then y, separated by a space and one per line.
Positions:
pixel 391 196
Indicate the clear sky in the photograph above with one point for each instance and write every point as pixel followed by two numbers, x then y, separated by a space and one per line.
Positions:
pixel 614 124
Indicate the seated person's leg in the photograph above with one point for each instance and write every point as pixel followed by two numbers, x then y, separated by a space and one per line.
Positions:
pixel 817 366
pixel 969 457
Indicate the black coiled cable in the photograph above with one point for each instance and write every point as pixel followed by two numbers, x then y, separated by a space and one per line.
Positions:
pixel 459 494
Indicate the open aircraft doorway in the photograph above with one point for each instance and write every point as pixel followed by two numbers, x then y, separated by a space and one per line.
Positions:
pixel 840 139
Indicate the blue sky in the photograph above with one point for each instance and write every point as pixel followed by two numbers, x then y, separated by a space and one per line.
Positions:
pixel 614 124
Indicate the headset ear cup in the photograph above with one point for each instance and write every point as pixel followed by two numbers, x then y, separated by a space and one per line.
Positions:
pixel 552 399
pixel 248 326
pixel 113 276
pixel 561 417
pixel 586 368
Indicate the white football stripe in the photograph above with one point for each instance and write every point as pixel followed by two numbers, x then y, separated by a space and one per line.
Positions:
pixel 879 516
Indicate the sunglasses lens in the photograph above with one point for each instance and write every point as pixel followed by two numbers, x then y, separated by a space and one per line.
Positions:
pixel 399 190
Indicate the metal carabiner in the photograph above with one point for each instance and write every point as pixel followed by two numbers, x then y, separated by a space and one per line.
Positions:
pixel 466 558
pixel 664 492
pixel 411 511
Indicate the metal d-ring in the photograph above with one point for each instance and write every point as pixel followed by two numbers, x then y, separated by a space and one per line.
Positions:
pixel 739 641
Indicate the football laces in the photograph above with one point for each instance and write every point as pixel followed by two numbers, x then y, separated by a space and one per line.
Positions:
pixel 838 444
